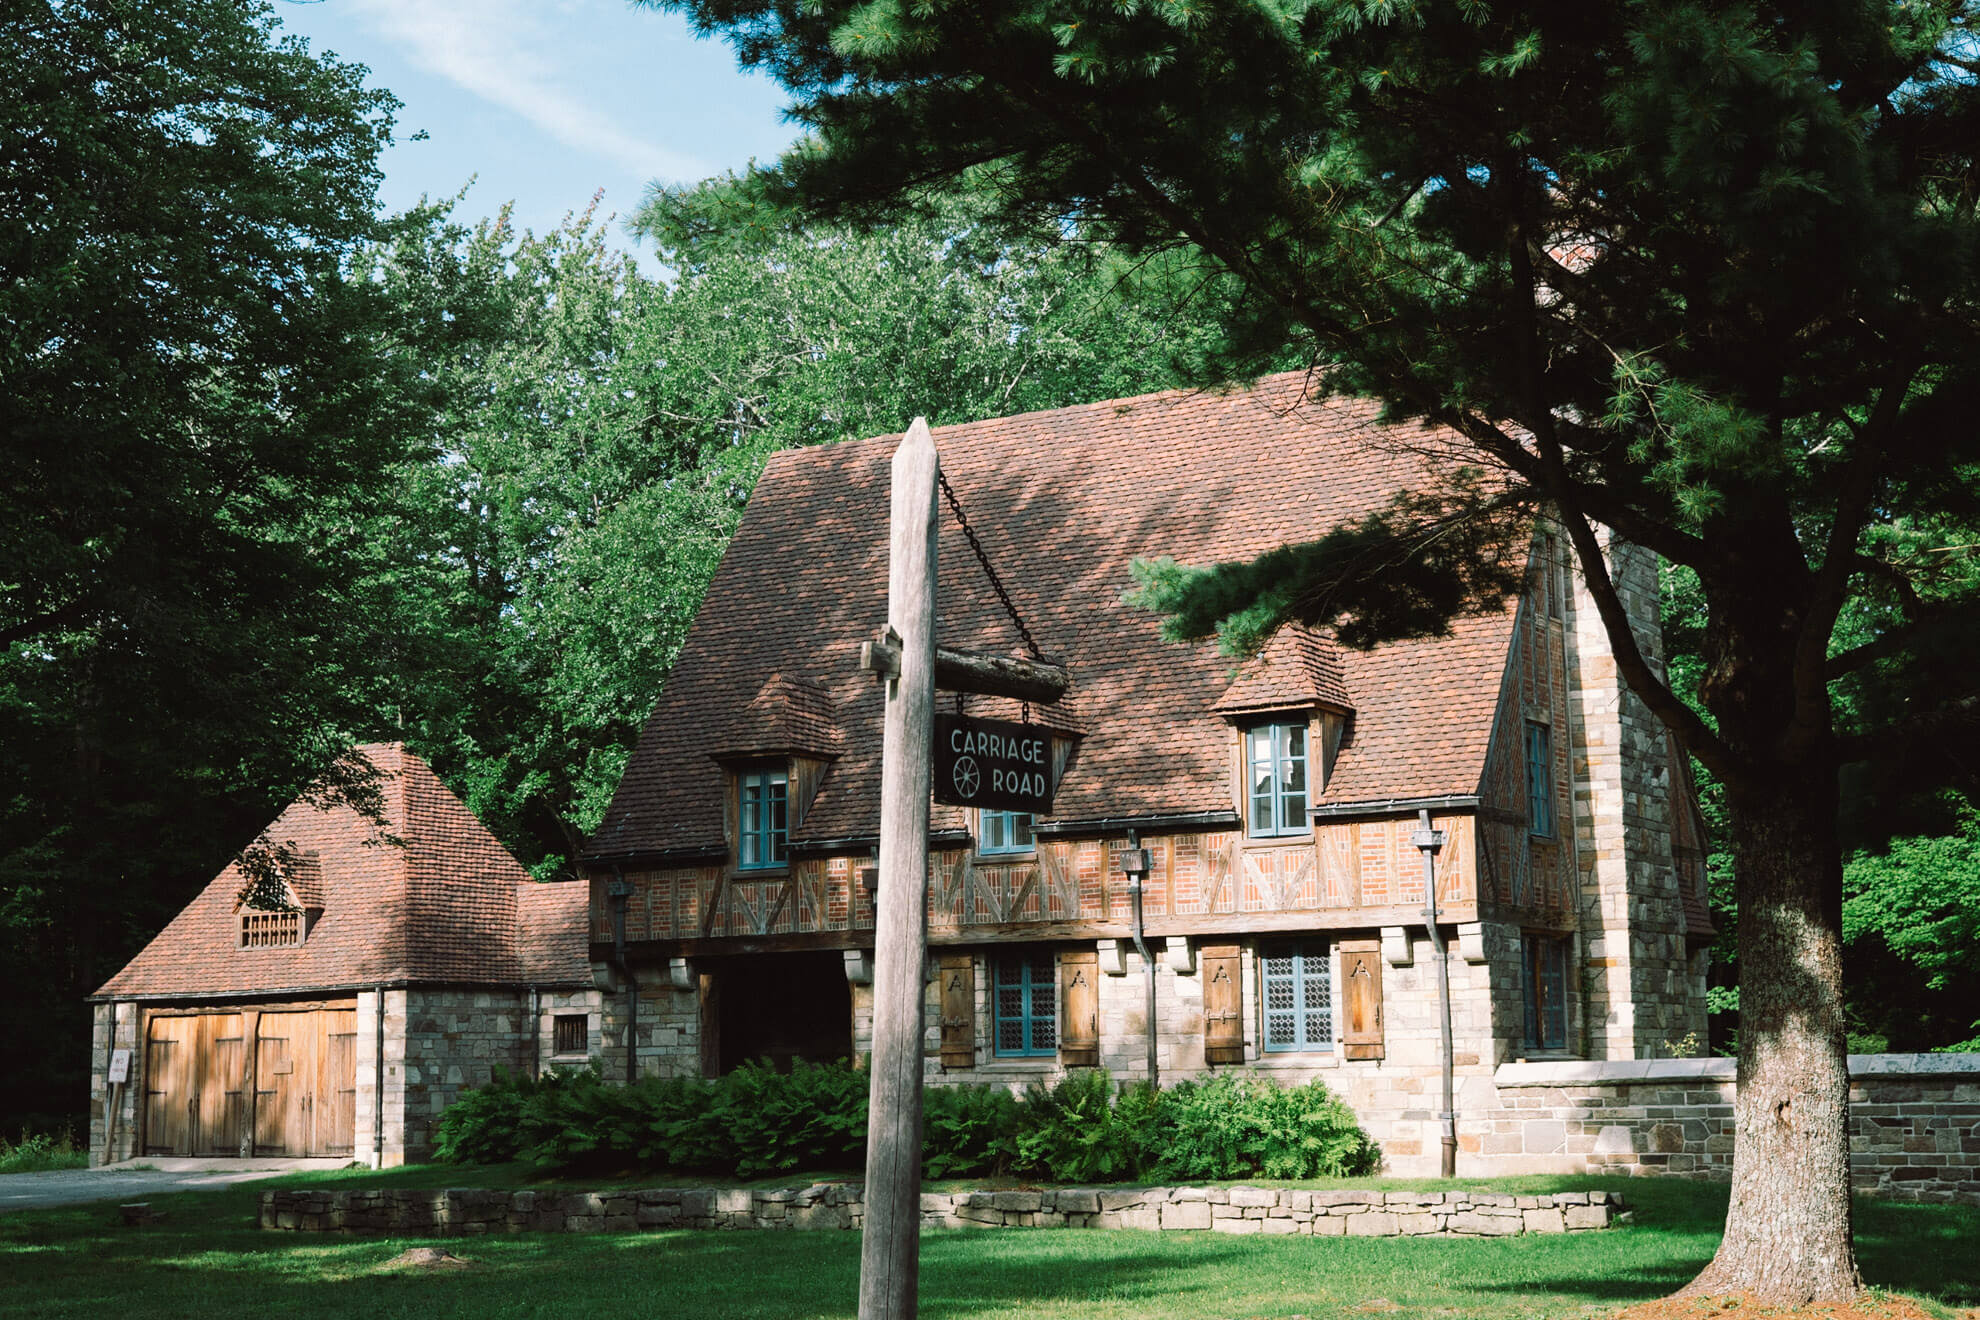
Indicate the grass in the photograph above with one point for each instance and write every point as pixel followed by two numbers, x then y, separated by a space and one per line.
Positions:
pixel 41 1152
pixel 206 1260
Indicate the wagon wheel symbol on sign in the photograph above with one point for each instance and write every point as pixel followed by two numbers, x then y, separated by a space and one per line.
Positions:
pixel 966 776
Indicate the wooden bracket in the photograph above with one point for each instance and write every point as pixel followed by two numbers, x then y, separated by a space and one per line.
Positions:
pixel 979 673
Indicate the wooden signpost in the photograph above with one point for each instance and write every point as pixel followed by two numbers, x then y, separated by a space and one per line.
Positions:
pixel 906 659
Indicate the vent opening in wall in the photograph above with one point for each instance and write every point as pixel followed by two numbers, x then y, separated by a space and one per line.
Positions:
pixel 572 1033
pixel 271 930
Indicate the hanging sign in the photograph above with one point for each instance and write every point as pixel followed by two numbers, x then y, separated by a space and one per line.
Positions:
pixel 120 1066
pixel 993 764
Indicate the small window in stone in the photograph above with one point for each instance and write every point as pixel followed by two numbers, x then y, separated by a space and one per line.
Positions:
pixel 573 1033
pixel 766 827
pixel 1540 779
pixel 1027 1020
pixel 1275 774
pixel 1298 985
pixel 1545 967
pixel 1005 832
pixel 271 930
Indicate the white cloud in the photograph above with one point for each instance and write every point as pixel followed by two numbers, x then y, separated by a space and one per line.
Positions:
pixel 504 52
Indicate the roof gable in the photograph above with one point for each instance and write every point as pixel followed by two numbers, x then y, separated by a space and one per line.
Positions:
pixel 1064 502
pixel 426 894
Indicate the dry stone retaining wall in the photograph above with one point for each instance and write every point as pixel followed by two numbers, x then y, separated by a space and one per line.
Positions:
pixel 1266 1210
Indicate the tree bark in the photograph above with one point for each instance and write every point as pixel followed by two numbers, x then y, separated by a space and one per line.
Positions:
pixel 1788 1235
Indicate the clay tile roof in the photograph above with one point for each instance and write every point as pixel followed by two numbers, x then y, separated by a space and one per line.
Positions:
pixel 304 877
pixel 552 925
pixel 1298 668
pixel 427 895
pixel 1064 502
pixel 786 715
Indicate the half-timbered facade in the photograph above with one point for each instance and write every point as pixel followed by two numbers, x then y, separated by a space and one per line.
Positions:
pixel 732 879
pixel 337 1010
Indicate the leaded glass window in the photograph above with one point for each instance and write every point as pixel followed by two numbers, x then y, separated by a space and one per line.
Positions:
pixel 1299 997
pixel 765 818
pixel 1275 772
pixel 1027 1020
pixel 1546 993
pixel 1005 832
pixel 1540 779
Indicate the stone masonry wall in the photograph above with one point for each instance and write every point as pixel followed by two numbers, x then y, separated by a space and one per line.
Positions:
pixel 1241 1210
pixel 668 1040
pixel 113 1026
pixel 1643 989
pixel 451 1040
pixel 1914 1121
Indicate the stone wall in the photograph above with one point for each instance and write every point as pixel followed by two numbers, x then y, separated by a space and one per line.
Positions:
pixel 1915 1121
pixel 1261 1210
pixel 113 1026
pixel 668 1042
pixel 440 1041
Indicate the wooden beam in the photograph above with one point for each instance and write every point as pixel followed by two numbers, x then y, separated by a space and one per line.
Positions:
pixel 979 673
pixel 890 1248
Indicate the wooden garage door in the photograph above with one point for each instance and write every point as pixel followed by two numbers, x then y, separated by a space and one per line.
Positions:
pixel 305 1066
pixel 195 1098
pixel 286 1078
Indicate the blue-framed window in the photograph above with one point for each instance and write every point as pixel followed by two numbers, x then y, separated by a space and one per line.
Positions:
pixel 1027 1018
pixel 1298 983
pixel 1545 964
pixel 766 819
pixel 1004 832
pixel 1540 780
pixel 1275 771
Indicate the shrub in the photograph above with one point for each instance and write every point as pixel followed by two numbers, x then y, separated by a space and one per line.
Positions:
pixel 41 1152
pixel 968 1131
pixel 757 1121
pixel 1242 1125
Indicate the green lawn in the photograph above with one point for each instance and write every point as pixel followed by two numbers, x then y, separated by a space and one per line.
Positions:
pixel 205 1260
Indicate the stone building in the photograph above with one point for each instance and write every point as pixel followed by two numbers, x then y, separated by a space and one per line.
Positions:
pixel 731 880
pixel 401 961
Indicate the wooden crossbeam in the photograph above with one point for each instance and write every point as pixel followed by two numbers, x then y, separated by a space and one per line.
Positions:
pixel 979 673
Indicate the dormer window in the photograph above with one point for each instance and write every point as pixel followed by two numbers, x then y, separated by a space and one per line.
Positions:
pixel 766 828
pixel 1004 832
pixel 1275 776
pixel 271 930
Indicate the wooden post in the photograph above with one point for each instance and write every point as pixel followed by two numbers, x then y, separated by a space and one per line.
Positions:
pixel 890 1253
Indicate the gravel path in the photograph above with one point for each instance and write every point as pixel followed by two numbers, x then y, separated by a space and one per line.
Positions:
pixel 34 1191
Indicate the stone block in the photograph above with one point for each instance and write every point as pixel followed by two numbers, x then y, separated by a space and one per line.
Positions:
pixel 1543 1221
pixel 1237 1226
pixel 1615 1139
pixel 1143 1216
pixel 1417 1225
pixel 1077 1201
pixel 1186 1215
pixel 1328 1226
pixel 1484 1225
pixel 1375 1223
pixel 1545 1137
pixel 1580 1217
pixel 1254 1196
pixel 1120 1200
pixel 1346 1198
pixel 1280 1226
pixel 1021 1202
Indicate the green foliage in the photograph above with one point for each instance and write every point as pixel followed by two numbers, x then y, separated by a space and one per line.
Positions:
pixel 1239 1125
pixel 968 1130
pixel 42 1152
pixel 757 1122
pixel 1075 1132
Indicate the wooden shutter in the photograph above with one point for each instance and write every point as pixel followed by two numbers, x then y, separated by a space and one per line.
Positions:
pixel 1079 988
pixel 1223 1003
pixel 958 1010
pixel 1361 1000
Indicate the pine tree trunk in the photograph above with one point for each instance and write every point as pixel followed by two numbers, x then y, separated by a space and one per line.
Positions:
pixel 1787 1238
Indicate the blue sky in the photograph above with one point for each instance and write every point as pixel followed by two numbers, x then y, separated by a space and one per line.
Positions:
pixel 546 101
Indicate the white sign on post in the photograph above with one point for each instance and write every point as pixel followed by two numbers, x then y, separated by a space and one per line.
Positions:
pixel 120 1067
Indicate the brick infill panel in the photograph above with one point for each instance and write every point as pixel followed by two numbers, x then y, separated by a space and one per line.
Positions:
pixel 1268 1210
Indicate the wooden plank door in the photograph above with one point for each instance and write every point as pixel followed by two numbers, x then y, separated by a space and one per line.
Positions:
pixel 283 1055
pixel 220 1068
pixel 334 1106
pixel 170 1047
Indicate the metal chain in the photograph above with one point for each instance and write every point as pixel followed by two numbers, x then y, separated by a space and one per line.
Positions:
pixel 996 583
